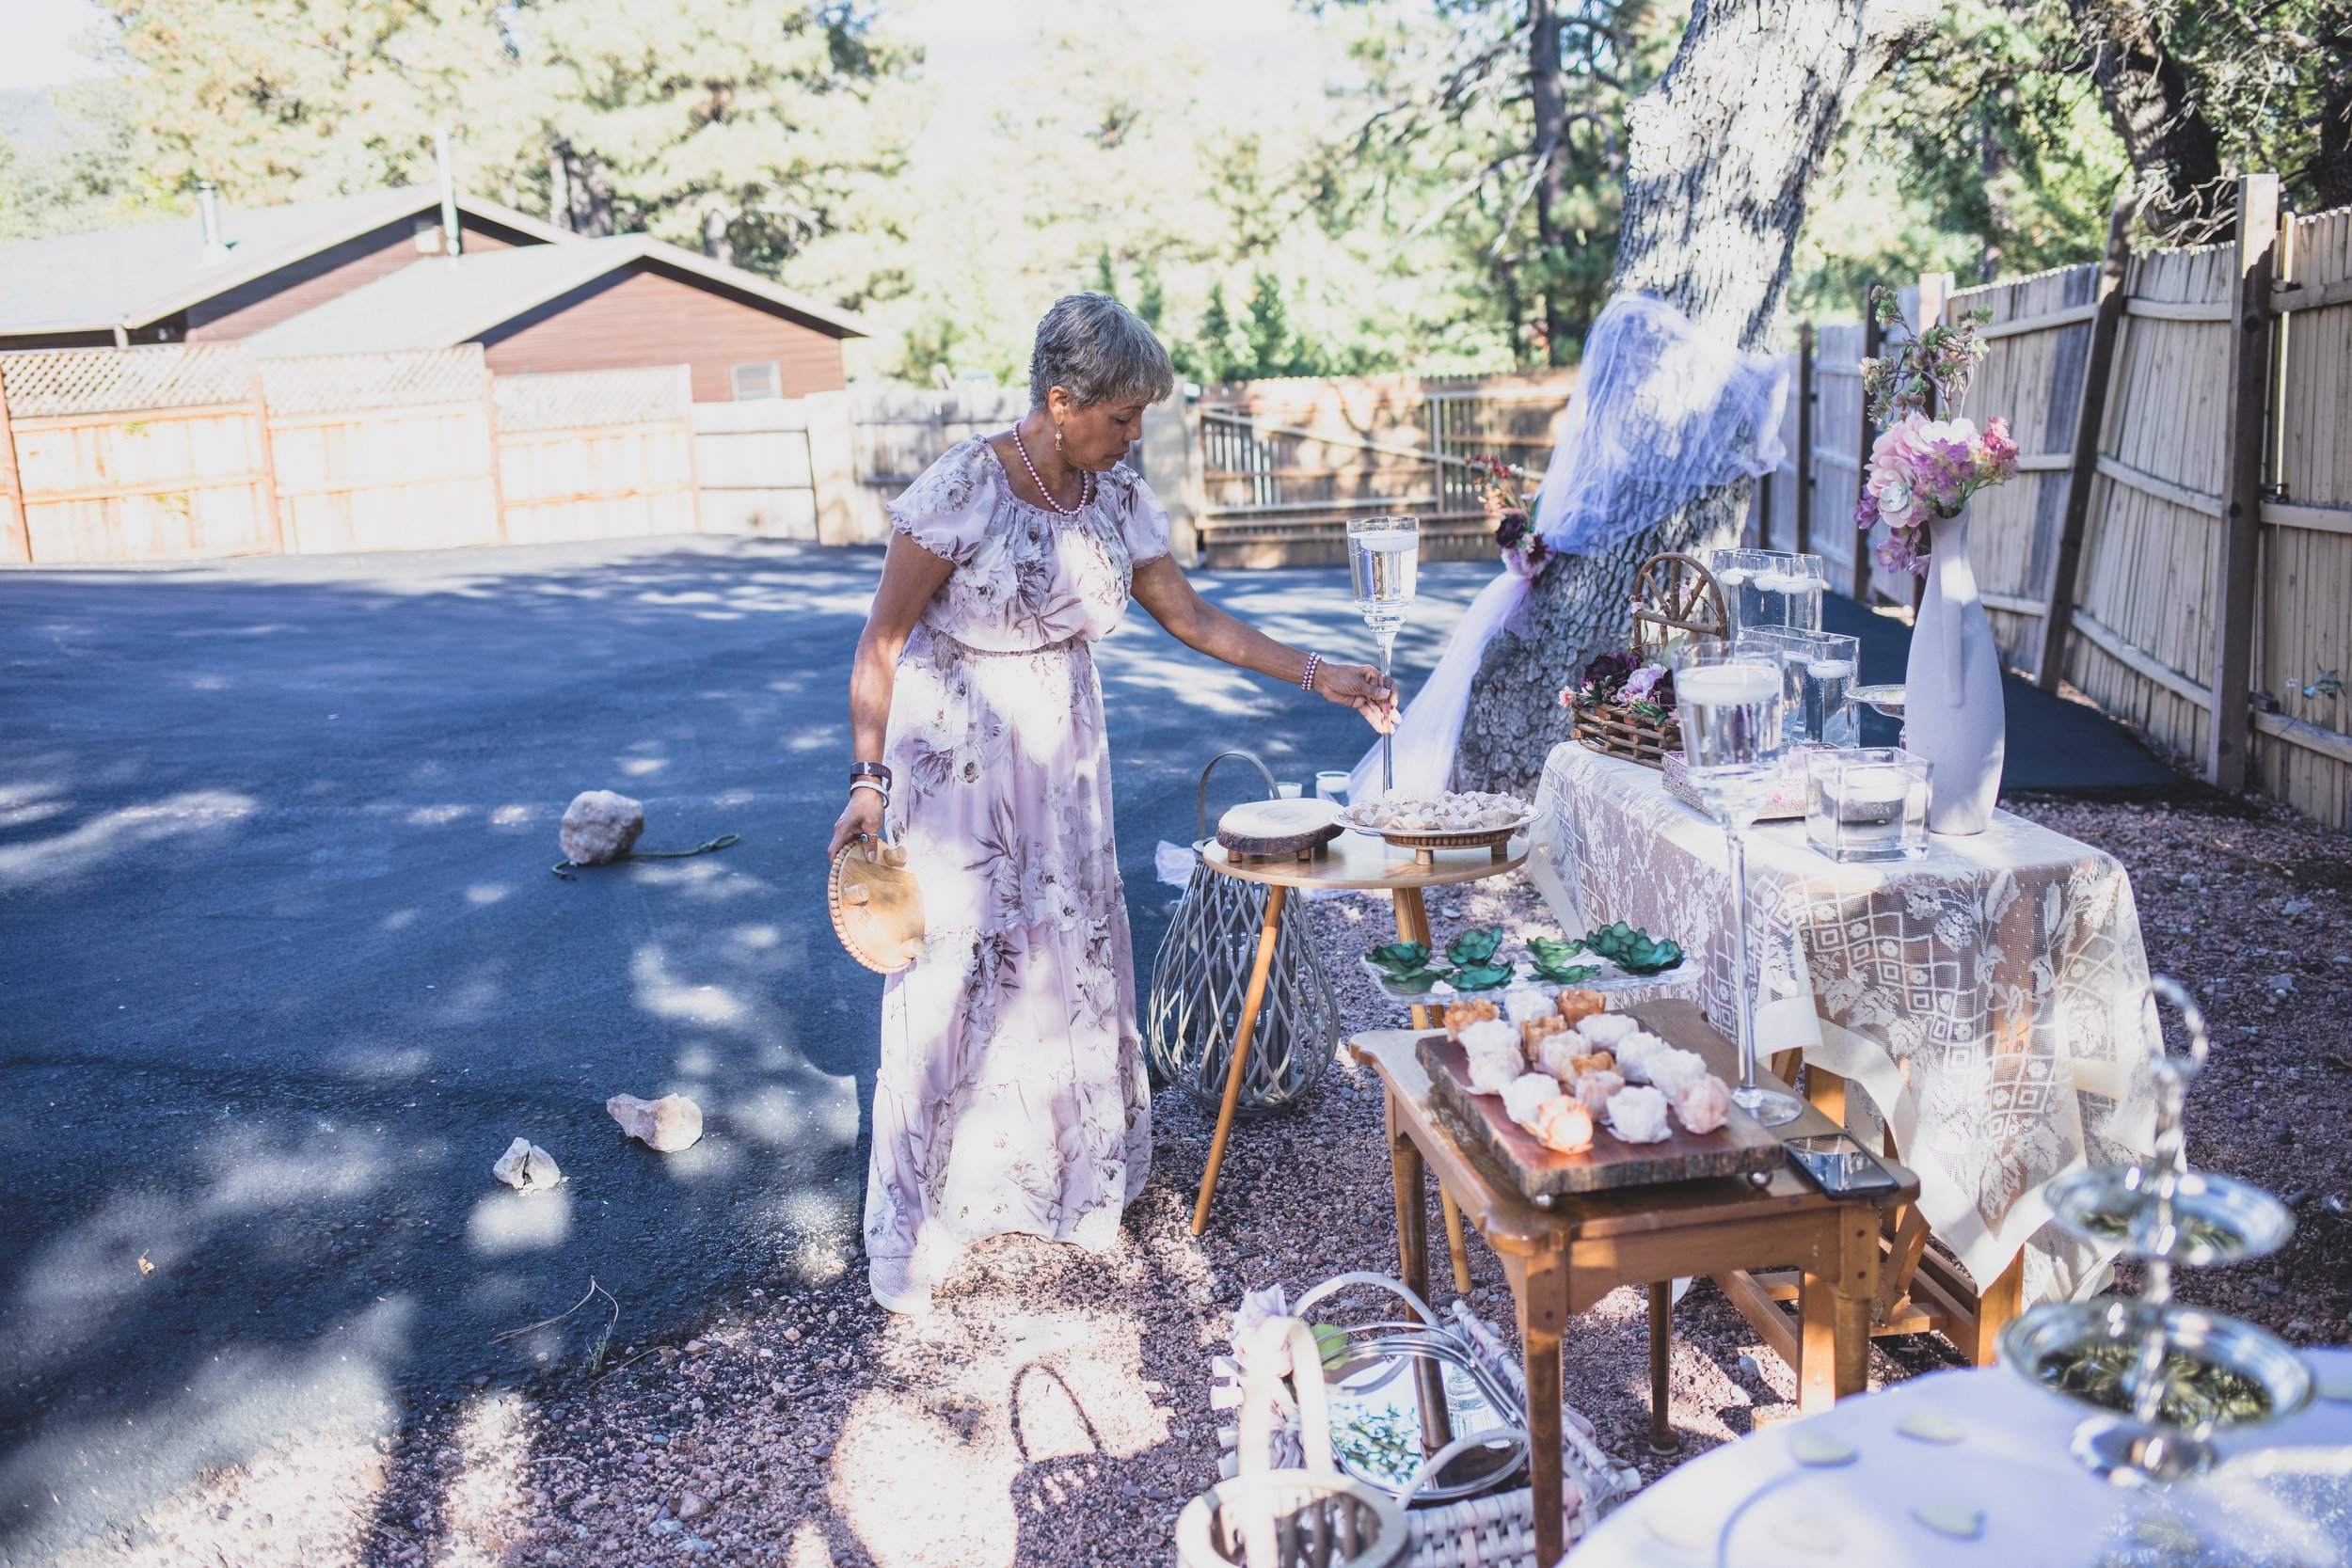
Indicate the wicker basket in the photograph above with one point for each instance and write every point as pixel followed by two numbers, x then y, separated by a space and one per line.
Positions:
pixel 1673 594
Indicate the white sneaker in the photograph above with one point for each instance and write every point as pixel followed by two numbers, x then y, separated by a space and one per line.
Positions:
pixel 897 1286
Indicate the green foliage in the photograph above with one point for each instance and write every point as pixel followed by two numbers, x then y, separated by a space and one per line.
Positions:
pixel 1475 947
pixel 1634 951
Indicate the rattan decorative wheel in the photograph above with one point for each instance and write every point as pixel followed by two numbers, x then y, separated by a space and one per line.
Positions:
pixel 1673 594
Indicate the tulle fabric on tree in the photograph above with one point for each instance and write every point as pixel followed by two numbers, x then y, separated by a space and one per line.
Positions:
pixel 1662 414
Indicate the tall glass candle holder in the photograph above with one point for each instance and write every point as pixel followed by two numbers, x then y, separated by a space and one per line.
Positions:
pixel 1384 560
pixel 1730 704
pixel 1817 674
pixel 1770 588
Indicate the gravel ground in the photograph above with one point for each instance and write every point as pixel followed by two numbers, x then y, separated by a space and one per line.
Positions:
pixel 1052 1410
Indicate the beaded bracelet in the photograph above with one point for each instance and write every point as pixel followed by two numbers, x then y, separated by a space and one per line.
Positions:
pixel 1307 681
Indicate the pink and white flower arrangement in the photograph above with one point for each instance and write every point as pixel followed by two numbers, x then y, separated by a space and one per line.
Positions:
pixel 1523 549
pixel 1922 469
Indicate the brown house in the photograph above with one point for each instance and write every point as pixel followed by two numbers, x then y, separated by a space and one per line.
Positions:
pixel 592 305
pixel 172 283
pixel 370 273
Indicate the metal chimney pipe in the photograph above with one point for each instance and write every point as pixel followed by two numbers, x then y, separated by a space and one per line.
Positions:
pixel 208 216
pixel 444 165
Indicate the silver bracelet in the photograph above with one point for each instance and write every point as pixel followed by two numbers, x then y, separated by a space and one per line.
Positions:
pixel 874 785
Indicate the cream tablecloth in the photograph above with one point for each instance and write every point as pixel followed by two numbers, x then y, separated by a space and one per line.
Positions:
pixel 2281 1497
pixel 1987 996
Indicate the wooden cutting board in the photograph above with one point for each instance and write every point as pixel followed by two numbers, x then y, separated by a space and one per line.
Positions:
pixel 1279 827
pixel 1740 1147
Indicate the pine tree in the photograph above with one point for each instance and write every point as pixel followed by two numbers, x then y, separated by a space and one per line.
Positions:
pixel 1217 360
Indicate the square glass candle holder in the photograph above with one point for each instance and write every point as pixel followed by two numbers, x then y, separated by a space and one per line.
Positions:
pixel 1867 803
pixel 1770 588
pixel 1817 670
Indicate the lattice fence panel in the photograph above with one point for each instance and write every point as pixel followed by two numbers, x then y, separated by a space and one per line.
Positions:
pixel 572 399
pixel 334 384
pixel 114 380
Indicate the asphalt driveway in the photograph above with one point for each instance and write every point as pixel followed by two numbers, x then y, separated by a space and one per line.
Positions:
pixel 284 968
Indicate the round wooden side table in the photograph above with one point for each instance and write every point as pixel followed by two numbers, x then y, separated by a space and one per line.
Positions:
pixel 1357 863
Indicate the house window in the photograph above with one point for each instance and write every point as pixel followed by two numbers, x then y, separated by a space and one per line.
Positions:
pixel 763 380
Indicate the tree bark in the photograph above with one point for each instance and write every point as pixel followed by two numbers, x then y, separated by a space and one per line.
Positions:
pixel 2175 151
pixel 1720 155
pixel 2331 170
pixel 1551 131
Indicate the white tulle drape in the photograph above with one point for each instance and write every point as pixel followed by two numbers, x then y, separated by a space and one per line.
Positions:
pixel 1662 414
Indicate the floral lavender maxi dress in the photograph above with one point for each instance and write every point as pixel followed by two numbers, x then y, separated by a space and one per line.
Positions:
pixel 1011 1094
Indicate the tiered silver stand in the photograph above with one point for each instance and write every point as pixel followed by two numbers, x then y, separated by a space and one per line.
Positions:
pixel 2161 1378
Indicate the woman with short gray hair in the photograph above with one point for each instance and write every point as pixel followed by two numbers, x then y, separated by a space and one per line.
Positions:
pixel 1011 1094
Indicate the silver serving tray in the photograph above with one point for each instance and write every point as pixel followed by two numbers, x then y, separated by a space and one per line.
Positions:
pixel 2215 1218
pixel 2058 1330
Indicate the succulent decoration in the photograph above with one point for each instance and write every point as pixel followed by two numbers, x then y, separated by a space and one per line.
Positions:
pixel 1475 947
pixel 1548 962
pixel 1634 951
pixel 1481 977
pixel 1405 966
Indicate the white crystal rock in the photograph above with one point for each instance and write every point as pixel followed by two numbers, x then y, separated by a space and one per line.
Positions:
pixel 527 1167
pixel 1606 1029
pixel 1639 1115
pixel 600 827
pixel 665 1125
pixel 1521 1096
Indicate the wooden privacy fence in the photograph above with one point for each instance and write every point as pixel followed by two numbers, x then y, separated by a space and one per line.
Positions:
pixel 2178 542
pixel 1284 463
pixel 182 453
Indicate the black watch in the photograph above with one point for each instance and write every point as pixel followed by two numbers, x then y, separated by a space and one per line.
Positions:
pixel 872 770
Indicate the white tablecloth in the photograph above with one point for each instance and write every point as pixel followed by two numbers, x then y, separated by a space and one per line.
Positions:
pixel 2281 1496
pixel 1987 996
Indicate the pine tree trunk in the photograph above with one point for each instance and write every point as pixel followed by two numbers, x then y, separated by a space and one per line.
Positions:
pixel 1720 155
pixel 2173 149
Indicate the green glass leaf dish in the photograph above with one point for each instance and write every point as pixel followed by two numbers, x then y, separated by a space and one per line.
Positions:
pixel 1417 982
pixel 1634 951
pixel 1401 958
pixel 1552 951
pixel 1475 947
pixel 1481 977
pixel 1564 975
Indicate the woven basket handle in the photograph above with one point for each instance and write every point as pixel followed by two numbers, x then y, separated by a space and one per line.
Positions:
pixel 1201 796
pixel 1337 1283
pixel 1262 1392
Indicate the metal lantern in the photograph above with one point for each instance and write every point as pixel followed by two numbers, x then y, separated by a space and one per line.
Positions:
pixel 1203 974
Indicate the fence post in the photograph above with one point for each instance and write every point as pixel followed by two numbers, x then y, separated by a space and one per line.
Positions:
pixel 498 462
pixel 1172 465
pixel 266 470
pixel 1806 397
pixel 2238 540
pixel 1870 345
pixel 16 538
pixel 2058 613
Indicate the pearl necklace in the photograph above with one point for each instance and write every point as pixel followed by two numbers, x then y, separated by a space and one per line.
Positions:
pixel 1085 481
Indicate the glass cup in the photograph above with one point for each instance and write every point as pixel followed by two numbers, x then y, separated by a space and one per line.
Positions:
pixel 1384 561
pixel 1770 588
pixel 1730 704
pixel 1867 803
pixel 1331 784
pixel 1818 671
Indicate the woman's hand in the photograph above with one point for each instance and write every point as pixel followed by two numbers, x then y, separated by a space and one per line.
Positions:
pixel 1361 688
pixel 861 818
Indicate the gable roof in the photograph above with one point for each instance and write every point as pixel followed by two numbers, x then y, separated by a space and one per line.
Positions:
pixel 129 278
pixel 438 304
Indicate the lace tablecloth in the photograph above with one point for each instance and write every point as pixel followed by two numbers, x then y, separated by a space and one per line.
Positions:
pixel 1987 996
pixel 1971 1469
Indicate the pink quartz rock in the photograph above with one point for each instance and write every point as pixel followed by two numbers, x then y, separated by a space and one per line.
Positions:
pixel 1705 1105
pixel 600 827
pixel 1592 1090
pixel 665 1125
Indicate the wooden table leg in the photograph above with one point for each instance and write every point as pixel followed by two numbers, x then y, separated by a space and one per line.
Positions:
pixel 1997 1305
pixel 1539 1286
pixel 1253 1001
pixel 1412 924
pixel 1408 1171
pixel 1661 1328
pixel 1834 1352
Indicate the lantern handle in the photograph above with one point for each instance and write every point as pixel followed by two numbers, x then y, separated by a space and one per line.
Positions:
pixel 1200 798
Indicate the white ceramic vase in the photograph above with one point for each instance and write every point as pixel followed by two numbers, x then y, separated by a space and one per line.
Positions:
pixel 1953 689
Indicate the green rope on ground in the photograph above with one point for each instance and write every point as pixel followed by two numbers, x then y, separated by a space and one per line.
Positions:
pixel 565 868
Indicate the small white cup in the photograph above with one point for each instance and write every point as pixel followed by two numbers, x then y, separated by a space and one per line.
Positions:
pixel 1331 784
pixel 1288 792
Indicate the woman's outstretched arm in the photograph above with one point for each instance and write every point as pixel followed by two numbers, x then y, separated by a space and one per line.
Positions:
pixel 1161 587
pixel 911 574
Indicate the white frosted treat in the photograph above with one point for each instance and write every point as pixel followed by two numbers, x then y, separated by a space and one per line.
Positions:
pixel 1704 1105
pixel 1637 1051
pixel 1557 1054
pixel 1673 1070
pixel 1595 1090
pixel 1522 1002
pixel 1606 1029
pixel 1491 1033
pixel 1523 1094
pixel 1639 1115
